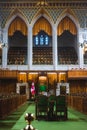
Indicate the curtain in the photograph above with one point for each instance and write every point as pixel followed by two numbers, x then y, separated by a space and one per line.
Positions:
pixel 66 24
pixel 42 24
pixel 17 25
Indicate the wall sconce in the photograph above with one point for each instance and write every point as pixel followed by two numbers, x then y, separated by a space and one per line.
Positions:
pixel 2 45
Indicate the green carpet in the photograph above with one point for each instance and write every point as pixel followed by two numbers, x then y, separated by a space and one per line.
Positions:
pixel 15 121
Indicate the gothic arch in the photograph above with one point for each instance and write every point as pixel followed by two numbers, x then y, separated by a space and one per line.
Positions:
pixel 71 15
pixel 42 13
pixel 70 34
pixel 14 14
pixel 17 25
pixel 42 24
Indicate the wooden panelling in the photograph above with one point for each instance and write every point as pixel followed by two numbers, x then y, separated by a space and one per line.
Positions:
pixel 78 102
pixel 77 74
pixel 22 76
pixel 78 86
pixel 8 73
pixel 8 85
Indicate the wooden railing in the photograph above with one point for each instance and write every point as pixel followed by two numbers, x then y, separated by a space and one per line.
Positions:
pixel 78 103
pixel 10 103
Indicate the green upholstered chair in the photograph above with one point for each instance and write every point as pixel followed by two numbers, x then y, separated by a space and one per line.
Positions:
pixel 61 107
pixel 51 107
pixel 41 107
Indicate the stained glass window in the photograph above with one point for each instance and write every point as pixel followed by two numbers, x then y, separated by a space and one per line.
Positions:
pixel 42 39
